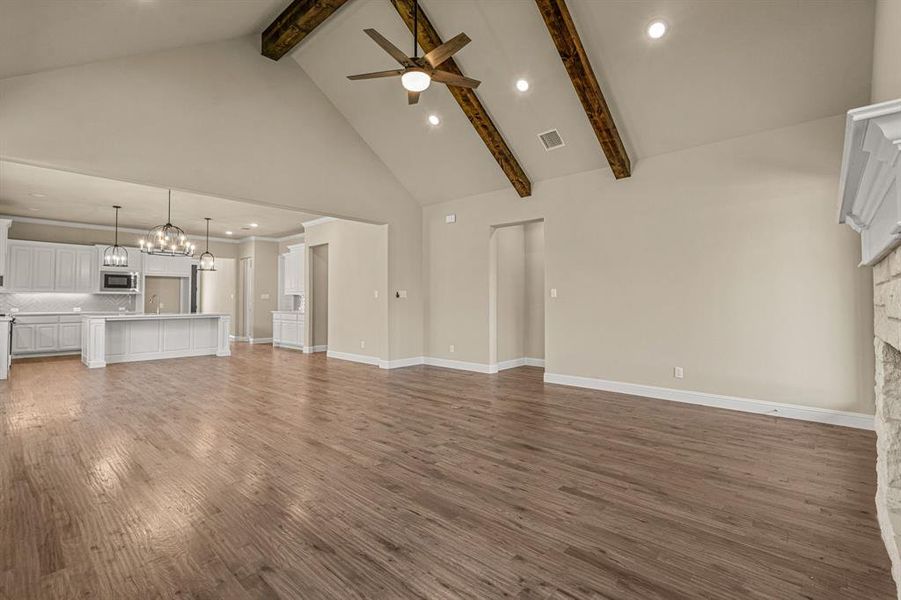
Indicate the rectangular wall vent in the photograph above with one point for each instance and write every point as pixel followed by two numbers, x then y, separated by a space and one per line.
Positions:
pixel 551 140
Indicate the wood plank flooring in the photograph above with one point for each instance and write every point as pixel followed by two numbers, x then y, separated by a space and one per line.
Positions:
pixel 273 474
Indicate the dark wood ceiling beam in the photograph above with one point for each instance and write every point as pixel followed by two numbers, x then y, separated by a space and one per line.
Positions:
pixel 569 45
pixel 429 39
pixel 294 24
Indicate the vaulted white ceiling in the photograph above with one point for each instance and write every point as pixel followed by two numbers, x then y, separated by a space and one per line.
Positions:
pixel 725 69
pixel 36 35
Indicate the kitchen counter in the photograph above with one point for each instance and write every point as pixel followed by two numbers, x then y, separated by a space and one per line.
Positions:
pixel 73 313
pixel 135 337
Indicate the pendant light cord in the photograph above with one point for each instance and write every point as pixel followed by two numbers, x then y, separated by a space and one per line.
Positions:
pixel 116 243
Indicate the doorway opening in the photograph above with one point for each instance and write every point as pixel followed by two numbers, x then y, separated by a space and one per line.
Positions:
pixel 317 299
pixel 516 312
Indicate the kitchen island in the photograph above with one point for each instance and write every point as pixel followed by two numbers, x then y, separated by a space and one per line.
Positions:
pixel 136 337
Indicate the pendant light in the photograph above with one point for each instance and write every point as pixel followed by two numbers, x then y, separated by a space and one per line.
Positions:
pixel 207 260
pixel 167 239
pixel 115 255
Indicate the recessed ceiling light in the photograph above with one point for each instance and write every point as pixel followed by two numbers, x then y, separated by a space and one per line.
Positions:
pixel 434 120
pixel 254 225
pixel 656 29
pixel 38 195
pixel 228 233
pixel 522 85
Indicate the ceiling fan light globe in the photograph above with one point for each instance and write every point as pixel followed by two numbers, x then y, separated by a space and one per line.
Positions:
pixel 416 81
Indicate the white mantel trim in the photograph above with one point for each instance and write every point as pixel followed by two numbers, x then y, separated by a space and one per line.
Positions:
pixel 870 184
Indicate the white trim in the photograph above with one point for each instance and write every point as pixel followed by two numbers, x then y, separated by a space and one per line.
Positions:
pixel 359 358
pixel 45 354
pixel 77 225
pixel 518 362
pixel 460 365
pixel 98 227
pixel 276 344
pixel 267 340
pixel 319 221
pixel 534 362
pixel 237 338
pixel 776 409
pixel 401 362
pixel 312 349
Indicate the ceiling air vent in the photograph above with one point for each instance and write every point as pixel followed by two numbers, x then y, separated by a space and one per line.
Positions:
pixel 551 140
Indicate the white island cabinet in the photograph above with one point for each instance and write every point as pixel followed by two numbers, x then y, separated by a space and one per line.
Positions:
pixel 128 338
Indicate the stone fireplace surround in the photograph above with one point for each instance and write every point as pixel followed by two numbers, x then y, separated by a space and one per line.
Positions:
pixel 870 202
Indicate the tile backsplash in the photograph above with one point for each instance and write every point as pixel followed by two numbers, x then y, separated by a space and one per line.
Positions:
pixel 56 302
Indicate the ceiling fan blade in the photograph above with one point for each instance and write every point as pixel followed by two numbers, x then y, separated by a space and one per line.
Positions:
pixel 390 48
pixel 454 79
pixel 446 50
pixel 377 74
pixel 412 97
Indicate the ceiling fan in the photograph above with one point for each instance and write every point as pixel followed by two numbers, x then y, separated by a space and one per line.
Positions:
pixel 419 72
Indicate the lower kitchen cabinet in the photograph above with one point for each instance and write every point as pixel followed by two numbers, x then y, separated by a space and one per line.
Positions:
pixel 287 329
pixel 46 335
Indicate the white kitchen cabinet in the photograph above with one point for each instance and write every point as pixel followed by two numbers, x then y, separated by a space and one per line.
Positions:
pixel 46 337
pixel 43 263
pixel 23 338
pixel 65 270
pixel 293 276
pixel 69 336
pixel 19 268
pixel 46 267
pixel 167 266
pixel 46 334
pixel 287 329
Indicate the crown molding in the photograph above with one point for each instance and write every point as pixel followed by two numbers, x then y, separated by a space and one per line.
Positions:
pixel 319 221
pixel 97 227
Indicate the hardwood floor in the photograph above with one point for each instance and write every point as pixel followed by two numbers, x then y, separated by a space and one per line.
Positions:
pixel 273 474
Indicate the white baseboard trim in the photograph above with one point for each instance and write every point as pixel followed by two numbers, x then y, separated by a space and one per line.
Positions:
pixel 401 362
pixel 534 362
pixel 284 345
pixel 45 354
pixel 776 409
pixel 312 349
pixel 359 358
pixel 518 362
pixel 260 340
pixel 237 338
pixel 460 365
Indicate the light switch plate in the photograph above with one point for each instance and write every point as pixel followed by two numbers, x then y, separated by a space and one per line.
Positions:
pixel 450 219
pixel 264 296
pixel 553 292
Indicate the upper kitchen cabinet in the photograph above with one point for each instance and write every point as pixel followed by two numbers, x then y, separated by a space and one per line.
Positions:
pixel 160 265
pixel 294 266
pixel 45 267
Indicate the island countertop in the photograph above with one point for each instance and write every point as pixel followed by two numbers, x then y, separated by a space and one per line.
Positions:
pixel 156 317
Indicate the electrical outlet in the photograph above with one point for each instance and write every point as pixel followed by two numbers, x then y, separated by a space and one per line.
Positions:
pixel 76 309
pixel 402 293
pixel 362 343
pixel 553 292
pixel 450 219
pixel 264 296
pixel 121 309
pixel 678 373
pixel 162 306
pixel 375 294
pixel 452 348
pixel 14 310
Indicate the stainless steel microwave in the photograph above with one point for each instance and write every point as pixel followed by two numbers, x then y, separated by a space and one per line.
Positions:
pixel 116 281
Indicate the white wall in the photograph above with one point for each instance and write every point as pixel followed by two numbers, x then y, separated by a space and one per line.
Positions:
pixel 887 51
pixel 357 262
pixel 218 290
pixel 724 259
pixel 219 119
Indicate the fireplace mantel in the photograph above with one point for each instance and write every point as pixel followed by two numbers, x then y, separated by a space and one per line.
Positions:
pixel 870 187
